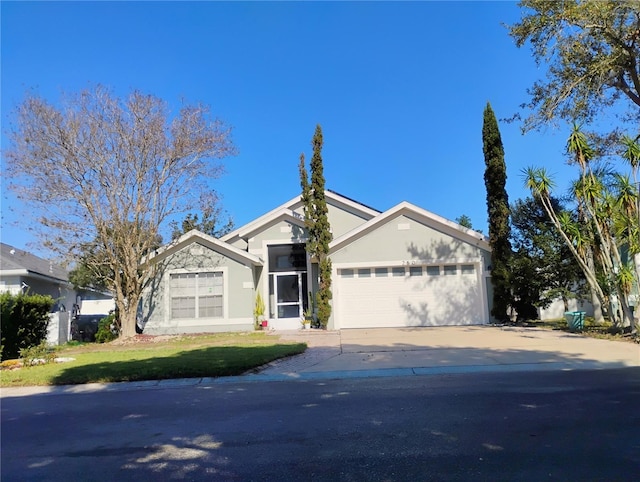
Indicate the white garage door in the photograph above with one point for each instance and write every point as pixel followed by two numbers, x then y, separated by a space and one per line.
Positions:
pixel 408 296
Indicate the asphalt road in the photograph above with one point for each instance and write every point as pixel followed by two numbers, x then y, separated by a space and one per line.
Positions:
pixel 575 425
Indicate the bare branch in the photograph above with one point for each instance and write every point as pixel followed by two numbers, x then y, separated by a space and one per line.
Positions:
pixel 112 171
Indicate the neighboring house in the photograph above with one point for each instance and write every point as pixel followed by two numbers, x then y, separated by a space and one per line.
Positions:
pixel 402 267
pixel 23 272
pixel 556 309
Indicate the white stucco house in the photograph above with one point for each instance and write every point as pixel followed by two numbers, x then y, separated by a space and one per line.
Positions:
pixel 403 267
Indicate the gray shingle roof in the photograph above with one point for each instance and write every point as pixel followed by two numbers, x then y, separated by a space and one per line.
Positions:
pixel 16 259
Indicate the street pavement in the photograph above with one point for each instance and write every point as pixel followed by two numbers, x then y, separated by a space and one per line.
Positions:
pixel 384 352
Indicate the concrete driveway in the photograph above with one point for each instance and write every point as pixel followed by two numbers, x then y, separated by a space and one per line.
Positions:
pixel 453 349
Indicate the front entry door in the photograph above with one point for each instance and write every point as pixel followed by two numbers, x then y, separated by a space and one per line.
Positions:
pixel 288 295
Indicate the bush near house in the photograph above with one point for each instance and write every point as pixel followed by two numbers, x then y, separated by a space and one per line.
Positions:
pixel 108 329
pixel 25 319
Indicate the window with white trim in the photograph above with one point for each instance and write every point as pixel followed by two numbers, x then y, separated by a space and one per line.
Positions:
pixel 197 295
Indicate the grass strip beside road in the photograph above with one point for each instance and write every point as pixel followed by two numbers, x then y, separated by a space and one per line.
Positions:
pixel 183 357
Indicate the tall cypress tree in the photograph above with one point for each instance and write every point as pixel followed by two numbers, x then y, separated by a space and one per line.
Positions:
pixel 306 191
pixel 317 222
pixel 495 178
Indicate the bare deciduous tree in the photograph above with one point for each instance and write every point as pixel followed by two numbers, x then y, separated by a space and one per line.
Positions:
pixel 108 170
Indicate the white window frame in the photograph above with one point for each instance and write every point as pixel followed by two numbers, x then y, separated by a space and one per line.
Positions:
pixel 225 294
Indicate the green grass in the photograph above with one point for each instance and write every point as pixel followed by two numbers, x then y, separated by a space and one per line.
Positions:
pixel 183 357
pixel 605 331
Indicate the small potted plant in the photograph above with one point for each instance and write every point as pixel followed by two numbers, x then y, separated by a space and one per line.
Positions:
pixel 307 318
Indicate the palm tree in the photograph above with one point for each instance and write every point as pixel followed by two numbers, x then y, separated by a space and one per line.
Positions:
pixel 606 204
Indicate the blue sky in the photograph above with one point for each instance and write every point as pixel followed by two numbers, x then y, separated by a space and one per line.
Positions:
pixel 399 89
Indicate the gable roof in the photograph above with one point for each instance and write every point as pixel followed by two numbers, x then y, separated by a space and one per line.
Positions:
pixel 14 261
pixel 195 236
pixel 418 214
pixel 283 215
pixel 289 208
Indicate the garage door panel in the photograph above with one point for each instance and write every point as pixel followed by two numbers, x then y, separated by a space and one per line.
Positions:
pixel 395 301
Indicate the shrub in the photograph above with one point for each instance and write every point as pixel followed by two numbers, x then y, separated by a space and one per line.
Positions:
pixel 10 364
pixel 25 319
pixel 36 355
pixel 108 329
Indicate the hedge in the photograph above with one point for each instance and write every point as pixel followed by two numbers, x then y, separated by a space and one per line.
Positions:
pixel 25 319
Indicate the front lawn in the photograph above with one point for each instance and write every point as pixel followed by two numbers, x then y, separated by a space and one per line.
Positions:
pixel 155 358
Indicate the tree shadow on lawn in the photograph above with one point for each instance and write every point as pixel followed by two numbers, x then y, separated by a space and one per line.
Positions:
pixel 205 362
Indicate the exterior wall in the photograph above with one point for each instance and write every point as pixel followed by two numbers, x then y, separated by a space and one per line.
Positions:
pixel 62 294
pixel 556 309
pixel 405 241
pixel 96 307
pixel 341 221
pixel 238 298
pixel 240 244
pixel 90 302
pixel 12 284
pixel 282 232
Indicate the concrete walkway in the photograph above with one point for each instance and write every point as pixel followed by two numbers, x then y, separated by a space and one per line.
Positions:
pixel 408 352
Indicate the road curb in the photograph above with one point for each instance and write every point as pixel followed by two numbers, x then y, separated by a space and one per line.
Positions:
pixel 293 377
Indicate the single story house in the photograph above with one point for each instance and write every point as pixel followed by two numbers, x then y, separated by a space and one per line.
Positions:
pixel 403 267
pixel 24 272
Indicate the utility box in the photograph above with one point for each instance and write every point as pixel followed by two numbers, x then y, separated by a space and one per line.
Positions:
pixel 575 320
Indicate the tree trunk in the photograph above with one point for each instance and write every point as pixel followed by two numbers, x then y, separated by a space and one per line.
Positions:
pixel 627 313
pixel 128 313
pixel 597 308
